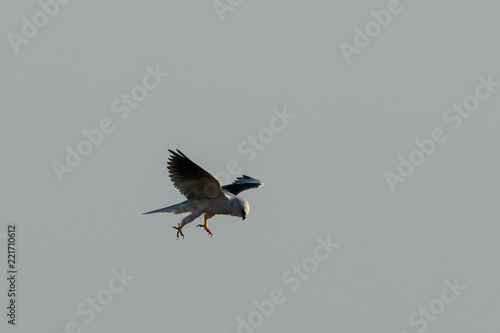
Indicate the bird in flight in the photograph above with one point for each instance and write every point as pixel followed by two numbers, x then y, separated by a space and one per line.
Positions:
pixel 205 196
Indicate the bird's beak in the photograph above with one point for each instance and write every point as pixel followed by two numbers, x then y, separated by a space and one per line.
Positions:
pixel 243 218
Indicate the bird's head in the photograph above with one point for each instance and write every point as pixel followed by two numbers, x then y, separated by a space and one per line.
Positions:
pixel 244 208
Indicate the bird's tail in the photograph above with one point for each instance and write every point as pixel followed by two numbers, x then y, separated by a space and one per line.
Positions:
pixel 176 209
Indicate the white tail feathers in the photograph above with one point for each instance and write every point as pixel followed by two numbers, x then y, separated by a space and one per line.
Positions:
pixel 179 208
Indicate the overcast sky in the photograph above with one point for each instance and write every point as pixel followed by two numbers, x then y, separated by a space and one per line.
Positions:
pixel 373 124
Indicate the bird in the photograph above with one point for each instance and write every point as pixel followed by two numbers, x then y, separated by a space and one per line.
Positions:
pixel 204 193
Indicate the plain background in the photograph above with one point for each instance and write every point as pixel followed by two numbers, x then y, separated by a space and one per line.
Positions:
pixel 323 174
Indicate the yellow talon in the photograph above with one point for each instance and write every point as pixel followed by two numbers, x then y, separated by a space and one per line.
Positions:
pixel 179 230
pixel 206 228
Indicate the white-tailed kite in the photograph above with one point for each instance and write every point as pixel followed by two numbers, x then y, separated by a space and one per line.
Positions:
pixel 204 194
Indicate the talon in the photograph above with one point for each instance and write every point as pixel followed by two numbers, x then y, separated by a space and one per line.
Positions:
pixel 179 230
pixel 206 228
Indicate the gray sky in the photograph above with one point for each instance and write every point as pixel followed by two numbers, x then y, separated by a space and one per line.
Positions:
pixel 374 126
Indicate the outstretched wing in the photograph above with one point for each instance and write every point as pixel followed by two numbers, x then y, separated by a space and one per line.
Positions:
pixel 242 184
pixel 191 180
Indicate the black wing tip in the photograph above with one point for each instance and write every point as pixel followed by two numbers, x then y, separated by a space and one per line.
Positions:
pixel 243 177
pixel 181 153
pixel 176 153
